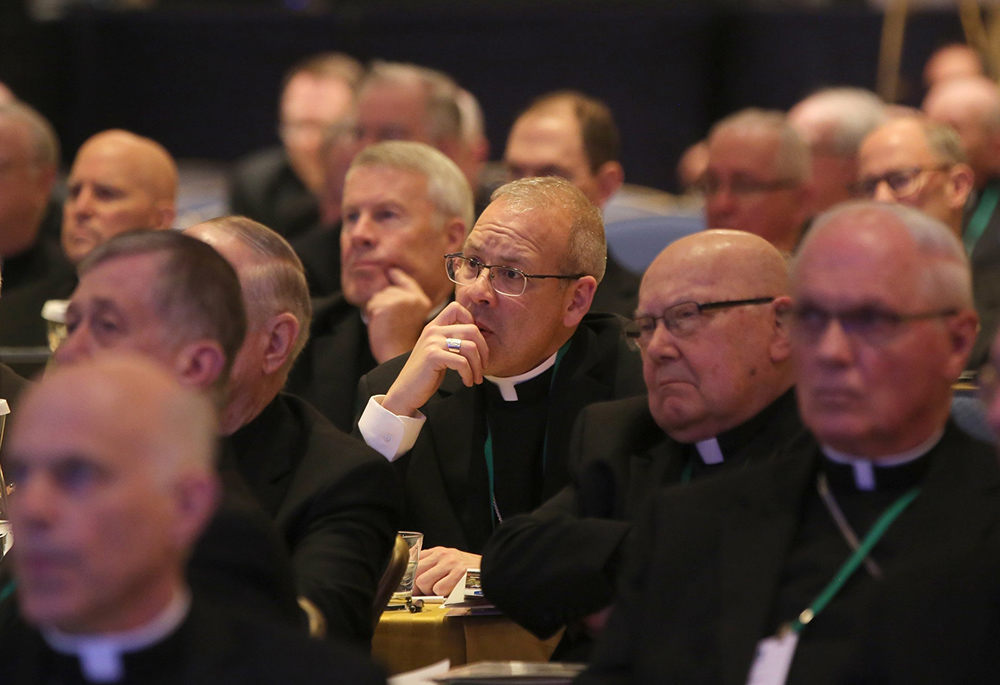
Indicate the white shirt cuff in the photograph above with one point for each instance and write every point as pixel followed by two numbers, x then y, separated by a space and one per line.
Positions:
pixel 386 433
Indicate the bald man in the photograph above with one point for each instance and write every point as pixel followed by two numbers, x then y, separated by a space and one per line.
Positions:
pixel 119 182
pixel 953 61
pixel 716 361
pixel 114 466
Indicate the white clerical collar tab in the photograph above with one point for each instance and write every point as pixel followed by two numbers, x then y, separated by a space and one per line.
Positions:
pixel 864 468
pixel 506 385
pixel 709 451
pixel 101 655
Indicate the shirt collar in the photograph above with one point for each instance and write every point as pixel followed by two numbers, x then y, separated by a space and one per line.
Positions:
pixel 864 469
pixel 101 655
pixel 506 385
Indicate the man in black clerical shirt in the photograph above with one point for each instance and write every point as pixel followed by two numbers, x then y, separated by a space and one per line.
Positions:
pixel 713 333
pixel 772 575
pixel 113 460
pixel 500 374
pixel 405 206
pixel 335 502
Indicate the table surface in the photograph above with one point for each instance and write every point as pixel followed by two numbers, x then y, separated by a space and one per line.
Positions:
pixel 405 641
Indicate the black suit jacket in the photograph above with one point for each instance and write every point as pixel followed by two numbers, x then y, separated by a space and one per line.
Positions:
pixel 618 292
pixel 705 567
pixel 209 648
pixel 21 322
pixel 319 250
pixel 41 262
pixel 436 472
pixel 264 188
pixel 327 372
pixel 985 260
pixel 559 563
pixel 335 502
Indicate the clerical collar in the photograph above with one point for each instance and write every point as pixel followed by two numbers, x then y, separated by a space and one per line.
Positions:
pixel 864 469
pixel 506 385
pixel 101 655
pixel 730 442
pixel 709 451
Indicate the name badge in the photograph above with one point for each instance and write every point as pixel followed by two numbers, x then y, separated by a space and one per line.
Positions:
pixel 773 659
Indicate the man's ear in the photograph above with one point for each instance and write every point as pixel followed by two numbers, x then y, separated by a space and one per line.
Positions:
pixel 610 177
pixel 961 181
pixel 963 328
pixel 283 330
pixel 199 364
pixel 196 498
pixel 166 212
pixel 579 296
pixel 781 347
pixel 455 231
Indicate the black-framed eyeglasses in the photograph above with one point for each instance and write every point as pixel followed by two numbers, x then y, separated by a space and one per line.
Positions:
pixel 902 182
pixel 506 280
pixel 871 324
pixel 682 320
pixel 739 185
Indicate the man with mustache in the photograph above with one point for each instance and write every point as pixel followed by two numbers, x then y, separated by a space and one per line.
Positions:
pixel 500 374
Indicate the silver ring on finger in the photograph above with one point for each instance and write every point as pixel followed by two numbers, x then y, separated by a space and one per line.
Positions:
pixel 454 345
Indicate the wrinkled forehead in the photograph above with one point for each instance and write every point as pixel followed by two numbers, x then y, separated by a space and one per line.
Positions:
pixel 517 236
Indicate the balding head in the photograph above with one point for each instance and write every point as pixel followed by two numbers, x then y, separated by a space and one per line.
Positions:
pixel 113 464
pixel 953 61
pixel 919 163
pixel 883 326
pixel 833 122
pixel 972 107
pixel 119 182
pixel 716 367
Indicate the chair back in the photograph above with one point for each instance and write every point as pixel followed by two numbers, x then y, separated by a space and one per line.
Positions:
pixel 636 242
pixel 391 577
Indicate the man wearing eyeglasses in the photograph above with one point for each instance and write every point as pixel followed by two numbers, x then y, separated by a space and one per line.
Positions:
pixel 757 178
pixel 477 418
pixel 775 575
pixel 712 331
pixel 920 163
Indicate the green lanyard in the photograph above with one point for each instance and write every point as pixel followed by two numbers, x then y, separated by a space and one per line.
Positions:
pixel 851 565
pixel 488 447
pixel 981 217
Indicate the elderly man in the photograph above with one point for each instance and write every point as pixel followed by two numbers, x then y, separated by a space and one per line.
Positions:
pixel 833 122
pixel 335 502
pixel 713 335
pixel 176 300
pixel 406 205
pixel 573 136
pixel 113 462
pixel 757 179
pixel 920 163
pixel 118 182
pixel 490 450
pixel 279 186
pixel 769 575
pixel 29 159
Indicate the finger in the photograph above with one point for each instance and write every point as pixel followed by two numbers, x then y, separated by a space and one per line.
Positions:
pixel 463 356
pixel 401 279
pixel 448 583
pixel 452 314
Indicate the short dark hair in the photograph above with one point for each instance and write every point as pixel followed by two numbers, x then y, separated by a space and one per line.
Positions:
pixel 198 295
pixel 601 140
pixel 334 65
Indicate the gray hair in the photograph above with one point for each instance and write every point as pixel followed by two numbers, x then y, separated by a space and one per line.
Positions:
pixel 849 114
pixel 275 282
pixel 44 142
pixel 444 117
pixel 943 141
pixel 587 249
pixel 447 187
pixel 792 160
pixel 948 276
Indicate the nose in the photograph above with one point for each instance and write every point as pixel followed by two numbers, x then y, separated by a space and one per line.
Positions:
pixel 833 346
pixel 77 345
pixel 363 231
pixel 719 204
pixel 479 291
pixel 662 345
pixel 883 193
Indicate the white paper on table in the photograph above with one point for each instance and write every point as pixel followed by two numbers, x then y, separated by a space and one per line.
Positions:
pixel 457 595
pixel 422 676
pixel 773 659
